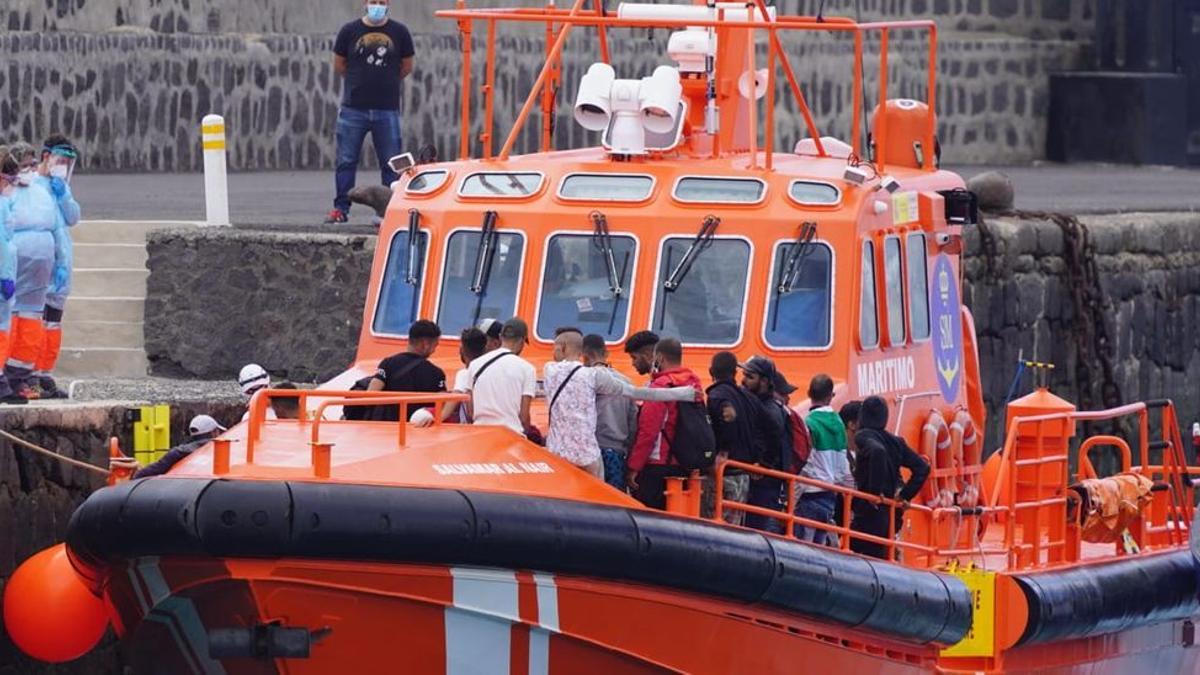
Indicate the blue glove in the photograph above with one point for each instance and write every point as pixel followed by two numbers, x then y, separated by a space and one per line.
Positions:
pixel 61 274
pixel 58 186
pixel 8 288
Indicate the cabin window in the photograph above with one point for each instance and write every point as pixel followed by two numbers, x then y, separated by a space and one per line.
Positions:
pixel 400 290
pixel 811 193
pixel 799 312
pixel 893 278
pixel 501 184
pixel 602 187
pixel 699 190
pixel 427 181
pixel 918 287
pixel 706 306
pixel 462 306
pixel 578 286
pixel 868 321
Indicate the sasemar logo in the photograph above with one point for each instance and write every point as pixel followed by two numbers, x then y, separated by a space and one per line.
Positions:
pixel 947 321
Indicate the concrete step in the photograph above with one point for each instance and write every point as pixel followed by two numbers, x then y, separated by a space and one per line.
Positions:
pixel 110 256
pixel 92 363
pixel 121 231
pixel 105 309
pixel 106 283
pixel 103 334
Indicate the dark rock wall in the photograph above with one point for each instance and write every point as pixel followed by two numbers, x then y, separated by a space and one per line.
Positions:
pixel 1139 337
pixel 134 98
pixel 38 495
pixel 219 299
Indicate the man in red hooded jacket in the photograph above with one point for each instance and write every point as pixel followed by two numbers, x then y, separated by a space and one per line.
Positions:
pixel 651 461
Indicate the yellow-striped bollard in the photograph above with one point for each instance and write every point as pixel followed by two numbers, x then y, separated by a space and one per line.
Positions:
pixel 216 185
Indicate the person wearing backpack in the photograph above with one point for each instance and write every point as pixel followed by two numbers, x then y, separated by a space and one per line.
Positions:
pixel 881 455
pixel 574 390
pixel 660 445
pixel 410 371
pixel 828 462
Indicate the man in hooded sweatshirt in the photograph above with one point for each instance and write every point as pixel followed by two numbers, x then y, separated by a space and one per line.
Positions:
pixel 877 471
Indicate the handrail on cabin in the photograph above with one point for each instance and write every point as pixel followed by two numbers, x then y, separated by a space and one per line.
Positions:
pixel 575 16
pixel 333 398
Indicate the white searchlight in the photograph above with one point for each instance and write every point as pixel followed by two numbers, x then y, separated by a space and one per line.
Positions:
pixel 627 109
pixel 592 107
pixel 660 94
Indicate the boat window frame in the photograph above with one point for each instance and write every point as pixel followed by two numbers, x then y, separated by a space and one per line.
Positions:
pixel 428 232
pixel 658 289
pixel 541 187
pixel 902 294
pixel 637 253
pixel 868 267
pixel 908 278
pixel 777 249
pixel 766 188
pixel 437 305
pixel 449 175
pixel 558 194
pixel 810 181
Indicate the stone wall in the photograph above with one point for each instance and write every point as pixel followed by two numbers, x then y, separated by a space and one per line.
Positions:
pixel 1135 321
pixel 134 99
pixel 38 496
pixel 219 299
pixel 1066 19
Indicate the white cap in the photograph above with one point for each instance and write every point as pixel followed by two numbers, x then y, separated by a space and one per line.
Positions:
pixel 203 424
pixel 252 378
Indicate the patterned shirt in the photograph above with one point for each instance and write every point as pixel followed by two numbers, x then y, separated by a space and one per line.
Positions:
pixel 573 416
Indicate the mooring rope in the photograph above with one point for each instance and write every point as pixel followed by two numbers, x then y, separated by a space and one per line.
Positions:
pixel 53 455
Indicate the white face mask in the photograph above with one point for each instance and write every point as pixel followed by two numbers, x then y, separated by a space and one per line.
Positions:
pixel 25 177
pixel 60 171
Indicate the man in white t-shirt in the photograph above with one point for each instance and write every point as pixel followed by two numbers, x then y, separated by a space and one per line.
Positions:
pixel 502 383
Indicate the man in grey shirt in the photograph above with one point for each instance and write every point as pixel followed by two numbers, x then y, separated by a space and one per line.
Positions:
pixel 616 416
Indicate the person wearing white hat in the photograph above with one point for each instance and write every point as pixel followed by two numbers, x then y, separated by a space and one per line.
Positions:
pixel 201 430
pixel 252 378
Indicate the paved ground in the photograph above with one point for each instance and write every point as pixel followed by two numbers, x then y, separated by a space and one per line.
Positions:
pixel 303 198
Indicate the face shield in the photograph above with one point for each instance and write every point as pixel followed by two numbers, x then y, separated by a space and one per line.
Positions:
pixel 60 162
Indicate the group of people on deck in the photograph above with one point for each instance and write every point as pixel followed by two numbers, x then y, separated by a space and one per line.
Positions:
pixel 602 424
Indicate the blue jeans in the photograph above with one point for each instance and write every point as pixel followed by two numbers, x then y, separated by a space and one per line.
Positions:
pixel 765 493
pixel 818 506
pixel 614 467
pixel 353 125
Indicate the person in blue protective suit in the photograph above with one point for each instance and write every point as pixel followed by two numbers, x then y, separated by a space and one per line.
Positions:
pixel 8 268
pixel 34 214
pixel 57 167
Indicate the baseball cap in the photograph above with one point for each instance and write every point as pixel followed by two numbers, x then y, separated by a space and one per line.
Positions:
pixel 203 424
pixel 491 328
pixel 781 384
pixel 761 366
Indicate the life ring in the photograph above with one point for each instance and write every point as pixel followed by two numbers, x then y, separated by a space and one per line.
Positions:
pixel 937 447
pixel 967 449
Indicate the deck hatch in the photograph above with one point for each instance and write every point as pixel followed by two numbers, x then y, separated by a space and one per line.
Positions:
pixel 719 190
pixel 606 187
pixel 502 184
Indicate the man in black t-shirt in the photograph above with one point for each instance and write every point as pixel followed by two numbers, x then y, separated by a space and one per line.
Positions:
pixel 373 54
pixel 411 371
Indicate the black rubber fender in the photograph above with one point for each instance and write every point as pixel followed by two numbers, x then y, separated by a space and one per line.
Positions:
pixel 275 519
pixel 1101 598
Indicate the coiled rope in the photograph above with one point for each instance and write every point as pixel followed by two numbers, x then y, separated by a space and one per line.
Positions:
pixel 53 455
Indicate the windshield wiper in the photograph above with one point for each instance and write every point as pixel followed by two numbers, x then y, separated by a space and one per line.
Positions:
pixel 801 250
pixel 701 243
pixel 414 248
pixel 789 275
pixel 602 240
pixel 485 255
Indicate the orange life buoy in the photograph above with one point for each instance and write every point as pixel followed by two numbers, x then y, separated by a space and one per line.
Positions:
pixel 937 448
pixel 967 452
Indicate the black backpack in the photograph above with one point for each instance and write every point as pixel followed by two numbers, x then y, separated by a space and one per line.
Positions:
pixel 694 445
